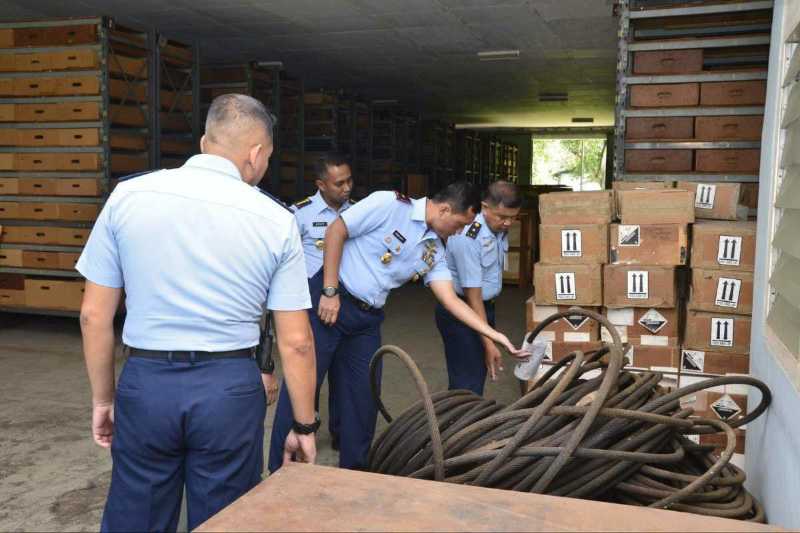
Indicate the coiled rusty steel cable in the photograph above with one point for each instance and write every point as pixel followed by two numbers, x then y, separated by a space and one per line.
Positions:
pixel 617 436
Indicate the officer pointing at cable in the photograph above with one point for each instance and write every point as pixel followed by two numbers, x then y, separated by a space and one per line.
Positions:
pixel 375 246
pixel 476 257
pixel 200 253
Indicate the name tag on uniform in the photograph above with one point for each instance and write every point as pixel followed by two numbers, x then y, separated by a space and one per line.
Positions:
pixel 320 224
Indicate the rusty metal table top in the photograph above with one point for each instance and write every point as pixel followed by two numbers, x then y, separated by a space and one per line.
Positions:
pixel 317 498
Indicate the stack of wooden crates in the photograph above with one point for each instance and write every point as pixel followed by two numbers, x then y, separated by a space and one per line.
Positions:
pixel 72 115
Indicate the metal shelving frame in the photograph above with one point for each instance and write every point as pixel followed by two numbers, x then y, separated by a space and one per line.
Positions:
pixel 106 39
pixel 625 79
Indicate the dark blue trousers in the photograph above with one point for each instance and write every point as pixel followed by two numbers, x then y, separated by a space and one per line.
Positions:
pixel 333 414
pixel 463 350
pixel 347 347
pixel 198 423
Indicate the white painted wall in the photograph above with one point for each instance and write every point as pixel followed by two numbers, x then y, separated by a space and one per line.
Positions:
pixel 773 441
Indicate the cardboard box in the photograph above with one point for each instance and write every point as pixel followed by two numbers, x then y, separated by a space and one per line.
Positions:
pixel 716 201
pixel 716 405
pixel 594 207
pixel 724 245
pixel 10 258
pixel 665 95
pixel 556 351
pixel 668 62
pixel 657 161
pixel 649 244
pixel 661 358
pixel 568 284
pixel 11 298
pixel 638 185
pixel 720 441
pixel 721 291
pixel 576 329
pixel 717 332
pixel 639 286
pixel 54 294
pixel 561 244
pixel 666 206
pixel 713 363
pixel 643 326
pixel 728 161
pixel 659 128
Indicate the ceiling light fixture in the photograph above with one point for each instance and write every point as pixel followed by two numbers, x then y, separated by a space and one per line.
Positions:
pixel 270 64
pixel 386 101
pixel 498 55
pixel 553 97
pixel 583 120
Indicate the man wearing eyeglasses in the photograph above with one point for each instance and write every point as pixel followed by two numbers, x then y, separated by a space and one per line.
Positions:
pixel 476 257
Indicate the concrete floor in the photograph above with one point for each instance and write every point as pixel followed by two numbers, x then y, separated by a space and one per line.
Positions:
pixel 53 477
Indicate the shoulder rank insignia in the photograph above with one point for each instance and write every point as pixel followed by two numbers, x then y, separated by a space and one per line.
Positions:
pixel 302 203
pixel 473 230
pixel 273 198
pixel 402 197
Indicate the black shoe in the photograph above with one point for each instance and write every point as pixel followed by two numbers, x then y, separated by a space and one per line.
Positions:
pixel 335 442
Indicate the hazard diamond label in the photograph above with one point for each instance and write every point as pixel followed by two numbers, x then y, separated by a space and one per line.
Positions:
pixel 726 408
pixel 693 360
pixel 629 235
pixel 576 321
pixel 653 321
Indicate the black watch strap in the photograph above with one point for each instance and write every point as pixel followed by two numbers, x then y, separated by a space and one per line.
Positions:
pixel 306 429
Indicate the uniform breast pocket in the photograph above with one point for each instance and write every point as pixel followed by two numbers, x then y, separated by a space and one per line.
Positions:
pixel 489 255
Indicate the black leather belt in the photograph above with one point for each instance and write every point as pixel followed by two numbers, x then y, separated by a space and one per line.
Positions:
pixel 486 302
pixel 185 356
pixel 364 306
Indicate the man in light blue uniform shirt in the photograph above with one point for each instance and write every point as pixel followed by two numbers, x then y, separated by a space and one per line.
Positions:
pixel 200 253
pixel 314 214
pixel 476 257
pixel 375 246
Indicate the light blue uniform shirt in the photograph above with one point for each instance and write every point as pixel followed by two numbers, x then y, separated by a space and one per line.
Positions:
pixel 389 244
pixel 314 216
pixel 199 253
pixel 477 261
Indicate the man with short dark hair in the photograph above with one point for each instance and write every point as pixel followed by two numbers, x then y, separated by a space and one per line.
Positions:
pixel 334 184
pixel 476 258
pixel 375 246
pixel 200 253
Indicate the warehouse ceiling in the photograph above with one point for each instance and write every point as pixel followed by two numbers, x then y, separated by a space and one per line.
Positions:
pixel 420 52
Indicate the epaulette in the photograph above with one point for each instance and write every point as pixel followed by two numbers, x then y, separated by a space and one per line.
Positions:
pixel 402 197
pixel 274 199
pixel 473 230
pixel 135 175
pixel 302 203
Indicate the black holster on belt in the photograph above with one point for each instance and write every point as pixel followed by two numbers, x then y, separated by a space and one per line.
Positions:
pixel 264 348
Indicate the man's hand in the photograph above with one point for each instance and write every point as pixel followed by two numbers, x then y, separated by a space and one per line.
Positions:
pixel 514 352
pixel 103 424
pixel 494 360
pixel 271 383
pixel 302 447
pixel 329 309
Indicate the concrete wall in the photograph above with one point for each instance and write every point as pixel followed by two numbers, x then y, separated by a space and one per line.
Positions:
pixel 773 441
pixel 523 142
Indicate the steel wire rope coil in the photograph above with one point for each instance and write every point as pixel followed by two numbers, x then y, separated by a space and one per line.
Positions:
pixel 587 428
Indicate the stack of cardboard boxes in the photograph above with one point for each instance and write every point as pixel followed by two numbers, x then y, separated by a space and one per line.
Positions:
pixel 573 247
pixel 641 297
pixel 636 269
pixel 717 340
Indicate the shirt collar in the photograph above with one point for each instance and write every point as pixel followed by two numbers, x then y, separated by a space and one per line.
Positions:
pixel 215 163
pixel 418 208
pixel 322 205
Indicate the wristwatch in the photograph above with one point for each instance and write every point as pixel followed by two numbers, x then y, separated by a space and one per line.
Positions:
pixel 330 292
pixel 306 429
